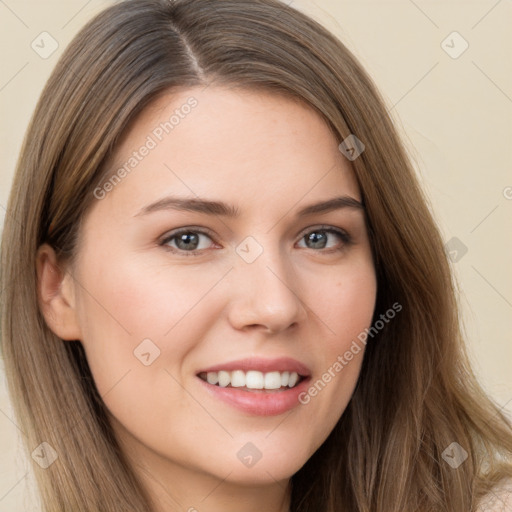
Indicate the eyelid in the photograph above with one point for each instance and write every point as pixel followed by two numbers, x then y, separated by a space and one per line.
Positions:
pixel 184 229
pixel 323 227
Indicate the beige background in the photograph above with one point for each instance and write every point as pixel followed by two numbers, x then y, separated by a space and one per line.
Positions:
pixel 455 112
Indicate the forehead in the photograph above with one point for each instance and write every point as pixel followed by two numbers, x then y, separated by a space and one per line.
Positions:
pixel 251 148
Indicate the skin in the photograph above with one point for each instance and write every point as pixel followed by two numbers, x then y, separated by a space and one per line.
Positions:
pixel 269 156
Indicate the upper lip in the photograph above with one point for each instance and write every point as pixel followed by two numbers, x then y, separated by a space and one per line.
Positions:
pixel 281 364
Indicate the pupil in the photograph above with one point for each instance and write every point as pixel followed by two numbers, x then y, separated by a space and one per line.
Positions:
pixel 318 241
pixel 187 241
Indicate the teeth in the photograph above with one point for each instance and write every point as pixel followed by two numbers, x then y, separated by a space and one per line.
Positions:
pixel 293 379
pixel 238 379
pixel 253 379
pixel 224 379
pixel 272 380
pixel 212 378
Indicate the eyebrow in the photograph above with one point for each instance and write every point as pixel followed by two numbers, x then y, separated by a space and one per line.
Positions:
pixel 225 210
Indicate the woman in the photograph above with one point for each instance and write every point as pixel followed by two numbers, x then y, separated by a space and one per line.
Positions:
pixel 233 295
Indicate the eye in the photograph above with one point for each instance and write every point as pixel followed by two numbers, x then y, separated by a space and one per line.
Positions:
pixel 318 238
pixel 192 242
pixel 186 241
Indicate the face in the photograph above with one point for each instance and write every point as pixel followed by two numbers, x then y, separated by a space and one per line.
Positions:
pixel 213 297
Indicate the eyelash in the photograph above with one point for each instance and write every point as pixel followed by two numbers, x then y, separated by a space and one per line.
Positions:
pixel 343 235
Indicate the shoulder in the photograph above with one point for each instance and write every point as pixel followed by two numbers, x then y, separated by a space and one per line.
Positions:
pixel 499 499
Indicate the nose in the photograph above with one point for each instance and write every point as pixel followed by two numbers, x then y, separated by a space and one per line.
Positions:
pixel 263 294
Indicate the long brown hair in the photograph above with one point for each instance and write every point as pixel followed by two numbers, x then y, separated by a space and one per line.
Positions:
pixel 416 393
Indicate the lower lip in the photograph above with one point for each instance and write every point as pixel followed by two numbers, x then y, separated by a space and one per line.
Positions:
pixel 259 402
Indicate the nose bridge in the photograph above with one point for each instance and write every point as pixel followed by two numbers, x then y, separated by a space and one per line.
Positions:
pixel 264 289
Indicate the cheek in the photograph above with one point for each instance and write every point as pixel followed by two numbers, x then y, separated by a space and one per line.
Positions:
pixel 150 299
pixel 346 307
pixel 128 309
pixel 345 310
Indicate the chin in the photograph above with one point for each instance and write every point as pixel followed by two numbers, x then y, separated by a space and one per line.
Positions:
pixel 261 460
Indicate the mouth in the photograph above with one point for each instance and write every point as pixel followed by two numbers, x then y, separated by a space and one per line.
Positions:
pixel 255 386
pixel 253 380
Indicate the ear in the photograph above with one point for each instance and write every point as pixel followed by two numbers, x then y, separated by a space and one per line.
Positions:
pixel 56 295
